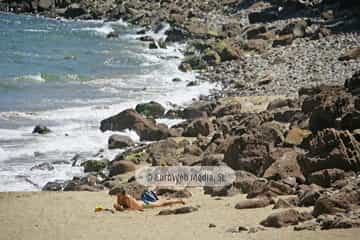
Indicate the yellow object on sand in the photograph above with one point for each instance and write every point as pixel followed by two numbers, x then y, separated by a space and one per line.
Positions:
pixel 98 209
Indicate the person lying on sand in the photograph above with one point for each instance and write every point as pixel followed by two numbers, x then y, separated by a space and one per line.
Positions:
pixel 127 202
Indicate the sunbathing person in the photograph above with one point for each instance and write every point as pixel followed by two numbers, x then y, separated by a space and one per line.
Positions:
pixel 127 202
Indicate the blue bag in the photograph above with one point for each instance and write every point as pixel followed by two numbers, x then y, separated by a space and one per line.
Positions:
pixel 149 196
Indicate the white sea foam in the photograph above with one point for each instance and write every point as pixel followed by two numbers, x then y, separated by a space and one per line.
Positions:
pixel 35 77
pixel 3 155
pixel 120 22
pixel 102 30
pixel 36 30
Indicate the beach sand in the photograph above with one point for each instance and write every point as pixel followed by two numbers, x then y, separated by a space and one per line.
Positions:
pixel 70 215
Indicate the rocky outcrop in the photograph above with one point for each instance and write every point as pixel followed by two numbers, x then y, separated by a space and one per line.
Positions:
pixel 326 106
pixel 40 129
pixel 94 165
pixel 132 188
pixel 250 153
pixel 326 177
pixel 129 119
pixel 74 10
pixel 330 205
pixel 285 164
pixel 121 167
pixel 330 148
pixel 89 183
pixel 151 109
pixel 285 218
pixel 202 127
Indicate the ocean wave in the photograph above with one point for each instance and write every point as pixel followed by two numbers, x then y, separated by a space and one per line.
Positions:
pixel 45 77
pixel 103 30
pixel 36 30
pixel 120 22
pixel 3 155
pixel 35 77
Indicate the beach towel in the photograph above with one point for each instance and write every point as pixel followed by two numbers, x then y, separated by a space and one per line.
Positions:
pixel 149 196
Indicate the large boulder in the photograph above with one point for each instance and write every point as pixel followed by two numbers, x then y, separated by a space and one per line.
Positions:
pixel 87 183
pixel 121 167
pixel 181 210
pixel 53 186
pixel 130 119
pixel 308 195
pixel 132 188
pixel 254 203
pixel 272 189
pixel 340 221
pixel 286 203
pixel 119 141
pixel 330 148
pixel 45 4
pixel 296 135
pixel 244 181
pixel 151 109
pixel 327 105
pixel 249 153
pixel 330 205
pixel 285 165
pixel 285 218
pixel 325 178
pixel 74 10
pixel 202 126
pixel 166 152
pixel 94 165
pixel 40 129
pixel 221 191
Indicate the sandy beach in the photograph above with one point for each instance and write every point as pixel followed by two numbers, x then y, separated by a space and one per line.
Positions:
pixel 70 215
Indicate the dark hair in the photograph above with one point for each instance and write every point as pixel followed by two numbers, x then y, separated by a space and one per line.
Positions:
pixel 122 190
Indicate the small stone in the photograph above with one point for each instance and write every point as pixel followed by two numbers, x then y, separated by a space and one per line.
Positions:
pixel 211 225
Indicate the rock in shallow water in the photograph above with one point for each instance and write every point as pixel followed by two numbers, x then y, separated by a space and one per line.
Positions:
pixel 147 129
pixel 40 129
pixel 151 109
pixel 94 165
pixel 43 167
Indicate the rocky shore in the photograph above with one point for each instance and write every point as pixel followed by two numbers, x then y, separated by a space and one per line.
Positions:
pixel 287 119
